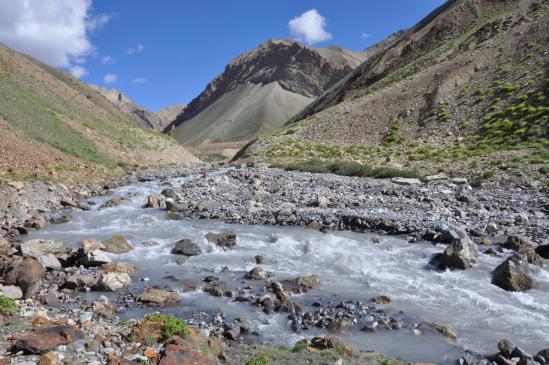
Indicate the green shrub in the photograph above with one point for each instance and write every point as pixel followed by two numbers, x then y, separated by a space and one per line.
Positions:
pixel 300 346
pixel 259 360
pixel 172 326
pixel 7 306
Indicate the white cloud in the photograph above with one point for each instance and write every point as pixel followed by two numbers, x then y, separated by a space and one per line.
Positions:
pixel 110 78
pixel 309 27
pixel 366 35
pixel 78 71
pixel 140 80
pixel 137 49
pixel 54 31
pixel 107 60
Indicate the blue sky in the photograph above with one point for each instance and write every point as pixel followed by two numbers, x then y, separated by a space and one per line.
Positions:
pixel 165 52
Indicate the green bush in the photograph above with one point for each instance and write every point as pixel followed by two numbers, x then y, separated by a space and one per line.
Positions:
pixel 172 326
pixel 7 306
pixel 300 346
pixel 260 360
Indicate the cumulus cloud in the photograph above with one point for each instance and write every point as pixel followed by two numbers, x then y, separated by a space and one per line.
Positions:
pixel 78 71
pixel 107 60
pixel 309 27
pixel 140 80
pixel 110 78
pixel 54 31
pixel 137 49
pixel 366 35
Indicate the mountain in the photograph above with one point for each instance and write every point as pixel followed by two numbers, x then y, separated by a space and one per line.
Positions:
pixel 168 114
pixel 52 123
pixel 260 90
pixel 463 91
pixel 141 115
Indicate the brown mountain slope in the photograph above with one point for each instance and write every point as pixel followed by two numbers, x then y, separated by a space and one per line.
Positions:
pixel 168 114
pixel 465 90
pixel 234 106
pixel 55 123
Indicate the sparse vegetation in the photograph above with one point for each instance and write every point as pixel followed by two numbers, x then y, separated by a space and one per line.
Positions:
pixel 7 306
pixel 259 360
pixel 172 326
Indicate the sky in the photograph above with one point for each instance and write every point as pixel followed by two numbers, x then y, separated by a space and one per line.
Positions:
pixel 165 52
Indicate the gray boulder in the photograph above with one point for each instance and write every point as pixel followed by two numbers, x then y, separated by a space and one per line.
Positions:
pixel 225 239
pixel 519 244
pixel 158 297
pixel 462 253
pixel 11 291
pixel 114 281
pixel 39 247
pixel 49 261
pixel 118 245
pixel 186 247
pixel 513 275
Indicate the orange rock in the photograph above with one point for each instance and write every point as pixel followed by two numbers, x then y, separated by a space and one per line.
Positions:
pixel 40 321
pixel 48 359
pixel 178 355
pixel 151 354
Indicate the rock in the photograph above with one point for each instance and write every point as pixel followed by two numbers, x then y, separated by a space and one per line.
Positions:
pixel 444 329
pixel 257 273
pixel 339 325
pixel 513 275
pixel 544 353
pixel 68 202
pixel 286 205
pixel 147 332
pixel 103 307
pixel 327 342
pixel 87 246
pixel 543 251
pixel 519 244
pixel 278 290
pixel 449 234
pixel 4 247
pixel 37 248
pixel 94 259
pixel 79 282
pixel 156 201
pixel 259 259
pixel 27 275
pixel 459 180
pixel 438 177
pixel 36 223
pixel 462 253
pixel 322 202
pixel 231 332
pixel 47 338
pixel 301 284
pixel 49 358
pixel 170 194
pixel 118 245
pixel 17 185
pixel 118 267
pixel 49 261
pixel 50 298
pixel 111 203
pixel 186 247
pixel 183 354
pixel 60 219
pixel 506 347
pixel 405 181
pixel 158 297
pixel 226 239
pixel 466 198
pixel 381 299
pixel 11 291
pixel 114 281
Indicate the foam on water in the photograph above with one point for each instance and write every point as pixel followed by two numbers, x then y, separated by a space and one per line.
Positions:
pixel 350 266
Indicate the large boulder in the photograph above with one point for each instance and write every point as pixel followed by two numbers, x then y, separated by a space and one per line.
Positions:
pixel 103 307
pixel 45 338
pixel 513 275
pixel 186 247
pixel 257 273
pixel 79 282
pixel 448 234
pixel 519 244
pixel 116 201
pixel 114 281
pixel 158 297
pixel 183 354
pixel 118 245
pixel 93 258
pixel 156 201
pixel 49 261
pixel 27 274
pixel 225 239
pixel 11 291
pixel 462 253
pixel 543 251
pixel 39 247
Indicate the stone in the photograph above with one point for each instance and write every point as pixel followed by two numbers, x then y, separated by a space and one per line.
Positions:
pixel 405 181
pixel 118 245
pixel 39 247
pixel 327 342
pixel 103 307
pixel 49 261
pixel 87 246
pixel 36 223
pixel 147 332
pixel 462 253
pixel 278 290
pixel 49 358
pixel 183 354
pixel 339 325
pixel 543 251
pixel 11 291
pixel 519 244
pixel 114 281
pixel 46 338
pixel 231 332
pixel 28 275
pixel 443 329
pixel 156 201
pixel 170 194
pixel 158 297
pixel 301 284
pixel 438 177
pixel 459 180
pixel 513 275
pixel 4 247
pixel 17 185
pixel 69 202
pixel 257 273
pixel 79 282
pixel 381 299
pixel 322 202
pixel 447 234
pixel 111 203
pixel 259 259
pixel 186 247
pixel 506 347
pixel 118 267
pixel 226 239
pixel 94 258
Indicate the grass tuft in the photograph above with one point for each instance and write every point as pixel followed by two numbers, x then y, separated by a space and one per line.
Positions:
pixel 172 326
